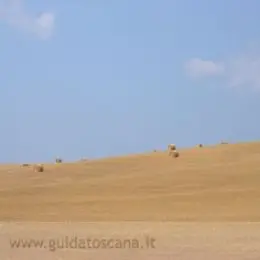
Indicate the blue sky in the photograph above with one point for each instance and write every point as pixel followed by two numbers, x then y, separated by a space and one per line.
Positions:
pixel 103 78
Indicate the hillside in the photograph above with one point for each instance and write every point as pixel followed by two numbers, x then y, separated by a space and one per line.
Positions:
pixel 218 183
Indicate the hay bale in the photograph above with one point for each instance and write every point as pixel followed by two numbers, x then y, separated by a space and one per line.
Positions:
pixel 38 168
pixel 58 160
pixel 200 145
pixel 171 147
pixel 84 160
pixel 175 154
pixel 224 142
pixel 25 165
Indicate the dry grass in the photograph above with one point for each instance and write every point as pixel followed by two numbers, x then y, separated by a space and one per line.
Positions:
pixel 218 183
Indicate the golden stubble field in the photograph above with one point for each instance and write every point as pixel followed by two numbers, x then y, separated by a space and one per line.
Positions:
pixel 219 183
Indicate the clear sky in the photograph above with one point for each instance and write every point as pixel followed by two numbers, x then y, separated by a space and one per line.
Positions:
pixel 103 78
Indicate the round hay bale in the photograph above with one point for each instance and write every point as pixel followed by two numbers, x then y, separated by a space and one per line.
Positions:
pixel 84 160
pixel 200 145
pixel 58 160
pixel 175 154
pixel 224 142
pixel 25 165
pixel 38 168
pixel 171 147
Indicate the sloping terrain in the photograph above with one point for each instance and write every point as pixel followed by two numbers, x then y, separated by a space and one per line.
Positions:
pixel 218 183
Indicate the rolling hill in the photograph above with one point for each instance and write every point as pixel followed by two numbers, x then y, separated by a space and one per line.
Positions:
pixel 217 183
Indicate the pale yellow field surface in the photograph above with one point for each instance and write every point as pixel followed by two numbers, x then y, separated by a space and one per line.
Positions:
pixel 219 183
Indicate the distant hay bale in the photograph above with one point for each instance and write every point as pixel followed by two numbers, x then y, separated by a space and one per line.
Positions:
pixel 175 154
pixel 38 168
pixel 154 151
pixel 25 165
pixel 58 160
pixel 222 142
pixel 171 148
pixel 200 145
pixel 84 160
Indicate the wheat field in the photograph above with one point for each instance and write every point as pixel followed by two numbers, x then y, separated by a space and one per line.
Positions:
pixel 215 183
